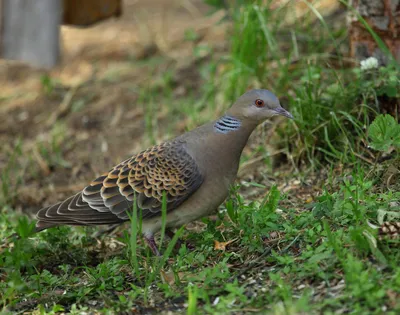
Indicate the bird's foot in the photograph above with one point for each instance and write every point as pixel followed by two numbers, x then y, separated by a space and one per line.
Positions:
pixel 152 244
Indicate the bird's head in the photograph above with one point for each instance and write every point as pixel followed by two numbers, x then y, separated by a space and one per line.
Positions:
pixel 258 105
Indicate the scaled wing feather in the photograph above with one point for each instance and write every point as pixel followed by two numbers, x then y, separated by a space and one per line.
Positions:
pixel 166 169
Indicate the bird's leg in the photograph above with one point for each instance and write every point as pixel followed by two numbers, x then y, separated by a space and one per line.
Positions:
pixel 152 244
pixel 171 235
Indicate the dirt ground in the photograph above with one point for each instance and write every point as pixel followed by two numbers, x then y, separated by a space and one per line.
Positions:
pixel 86 110
pixel 94 92
pixel 77 120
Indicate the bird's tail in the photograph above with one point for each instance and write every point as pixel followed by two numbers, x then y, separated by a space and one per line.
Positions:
pixel 43 225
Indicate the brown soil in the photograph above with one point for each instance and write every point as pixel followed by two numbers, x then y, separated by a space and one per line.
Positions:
pixel 94 93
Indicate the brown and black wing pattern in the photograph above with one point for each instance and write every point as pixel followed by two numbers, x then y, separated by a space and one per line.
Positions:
pixel 162 169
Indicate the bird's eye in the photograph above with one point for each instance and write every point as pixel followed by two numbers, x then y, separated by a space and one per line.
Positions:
pixel 259 103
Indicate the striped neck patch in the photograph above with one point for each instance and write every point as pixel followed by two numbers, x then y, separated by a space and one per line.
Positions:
pixel 226 124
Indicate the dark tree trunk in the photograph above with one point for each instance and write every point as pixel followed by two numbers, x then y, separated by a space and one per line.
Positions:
pixel 383 16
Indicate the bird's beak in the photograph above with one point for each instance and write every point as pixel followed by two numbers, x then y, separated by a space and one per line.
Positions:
pixel 283 112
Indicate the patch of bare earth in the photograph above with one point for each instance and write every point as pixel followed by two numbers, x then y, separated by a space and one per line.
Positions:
pixel 94 92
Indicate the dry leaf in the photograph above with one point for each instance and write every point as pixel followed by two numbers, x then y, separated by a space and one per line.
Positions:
pixel 169 276
pixel 309 200
pixel 222 245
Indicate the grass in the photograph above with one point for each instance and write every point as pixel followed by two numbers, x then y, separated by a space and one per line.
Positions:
pixel 300 232
pixel 316 259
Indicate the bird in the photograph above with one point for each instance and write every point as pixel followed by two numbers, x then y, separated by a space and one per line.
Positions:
pixel 190 174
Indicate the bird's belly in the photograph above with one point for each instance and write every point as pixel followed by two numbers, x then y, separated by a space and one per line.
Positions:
pixel 203 202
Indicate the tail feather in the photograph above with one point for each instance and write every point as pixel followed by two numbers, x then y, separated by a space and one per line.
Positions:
pixel 42 225
pixel 73 211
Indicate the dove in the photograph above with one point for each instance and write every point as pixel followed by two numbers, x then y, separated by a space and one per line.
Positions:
pixel 192 173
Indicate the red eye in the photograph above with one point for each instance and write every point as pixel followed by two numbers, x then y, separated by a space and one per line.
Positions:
pixel 259 103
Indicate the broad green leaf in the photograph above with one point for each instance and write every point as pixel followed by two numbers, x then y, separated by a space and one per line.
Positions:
pixel 384 133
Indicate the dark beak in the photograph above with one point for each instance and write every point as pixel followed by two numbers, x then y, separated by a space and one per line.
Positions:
pixel 283 112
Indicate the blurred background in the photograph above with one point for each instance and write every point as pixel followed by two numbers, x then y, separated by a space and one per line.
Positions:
pixel 86 84
pixel 129 74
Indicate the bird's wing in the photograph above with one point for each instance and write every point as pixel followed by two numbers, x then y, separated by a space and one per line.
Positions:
pixel 165 169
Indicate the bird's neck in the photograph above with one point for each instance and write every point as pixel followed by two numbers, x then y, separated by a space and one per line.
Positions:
pixel 227 124
pixel 220 143
pixel 230 124
pixel 234 131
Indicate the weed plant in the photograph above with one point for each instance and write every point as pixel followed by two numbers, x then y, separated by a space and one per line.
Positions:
pixel 278 253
